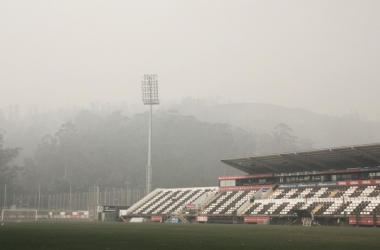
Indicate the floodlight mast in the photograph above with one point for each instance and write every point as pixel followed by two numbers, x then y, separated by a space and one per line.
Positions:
pixel 149 97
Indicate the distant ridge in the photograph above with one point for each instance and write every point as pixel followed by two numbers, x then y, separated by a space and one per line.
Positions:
pixel 258 118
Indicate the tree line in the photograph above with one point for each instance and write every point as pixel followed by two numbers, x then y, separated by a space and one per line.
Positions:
pixel 111 151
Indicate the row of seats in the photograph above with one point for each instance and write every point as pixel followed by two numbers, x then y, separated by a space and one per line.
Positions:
pixel 295 193
pixel 170 201
pixel 228 202
pixel 321 201
pixel 237 203
pixel 325 192
pixel 322 208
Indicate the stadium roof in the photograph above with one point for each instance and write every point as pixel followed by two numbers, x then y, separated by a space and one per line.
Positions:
pixel 367 155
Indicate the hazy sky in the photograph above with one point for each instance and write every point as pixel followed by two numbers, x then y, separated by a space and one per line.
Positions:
pixel 323 56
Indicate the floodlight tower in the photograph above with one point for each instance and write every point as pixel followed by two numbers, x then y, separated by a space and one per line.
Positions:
pixel 150 97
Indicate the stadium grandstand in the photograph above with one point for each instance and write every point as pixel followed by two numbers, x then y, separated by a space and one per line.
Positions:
pixel 333 186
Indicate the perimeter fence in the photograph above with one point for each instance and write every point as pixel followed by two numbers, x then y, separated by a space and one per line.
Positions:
pixel 72 201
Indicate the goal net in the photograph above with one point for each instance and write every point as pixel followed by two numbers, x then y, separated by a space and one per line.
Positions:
pixel 306 222
pixel 18 215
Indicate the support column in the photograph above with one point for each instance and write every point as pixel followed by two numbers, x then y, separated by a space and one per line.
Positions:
pixel 149 167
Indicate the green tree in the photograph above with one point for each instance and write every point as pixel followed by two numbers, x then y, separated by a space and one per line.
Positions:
pixel 282 140
pixel 112 152
pixel 8 170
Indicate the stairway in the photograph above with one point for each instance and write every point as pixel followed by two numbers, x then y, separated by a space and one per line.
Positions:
pixel 316 209
pixel 333 193
pixel 209 202
pixel 180 215
pixel 291 222
pixel 271 194
pixel 245 209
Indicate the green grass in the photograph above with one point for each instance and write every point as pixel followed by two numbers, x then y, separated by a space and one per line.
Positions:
pixel 112 235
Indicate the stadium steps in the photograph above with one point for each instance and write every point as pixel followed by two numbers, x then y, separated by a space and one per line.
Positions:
pixel 316 209
pixel 291 222
pixel 144 200
pixel 165 217
pixel 333 193
pixel 271 194
pixel 180 215
pixel 247 208
pixel 209 202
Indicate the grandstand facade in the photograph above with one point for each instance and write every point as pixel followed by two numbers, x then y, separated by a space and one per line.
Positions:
pixel 335 186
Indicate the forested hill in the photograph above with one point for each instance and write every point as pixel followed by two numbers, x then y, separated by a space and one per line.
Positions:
pixel 111 151
pixel 26 130
pixel 109 148
pixel 258 118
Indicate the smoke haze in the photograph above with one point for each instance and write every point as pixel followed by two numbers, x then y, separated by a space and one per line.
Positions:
pixel 318 55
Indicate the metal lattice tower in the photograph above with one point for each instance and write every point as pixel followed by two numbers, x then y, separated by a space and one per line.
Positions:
pixel 150 97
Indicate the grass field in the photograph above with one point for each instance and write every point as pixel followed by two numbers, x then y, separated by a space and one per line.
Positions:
pixel 112 235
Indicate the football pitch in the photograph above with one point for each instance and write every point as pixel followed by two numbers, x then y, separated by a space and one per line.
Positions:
pixel 113 235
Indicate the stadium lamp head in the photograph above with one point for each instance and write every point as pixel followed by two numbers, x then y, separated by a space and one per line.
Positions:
pixel 150 90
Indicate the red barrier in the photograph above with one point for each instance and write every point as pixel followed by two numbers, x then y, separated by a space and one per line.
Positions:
pixel 237 188
pixel 255 219
pixel 365 182
pixel 364 221
pixel 201 218
pixel 235 177
pixel 190 206
pixel 156 218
